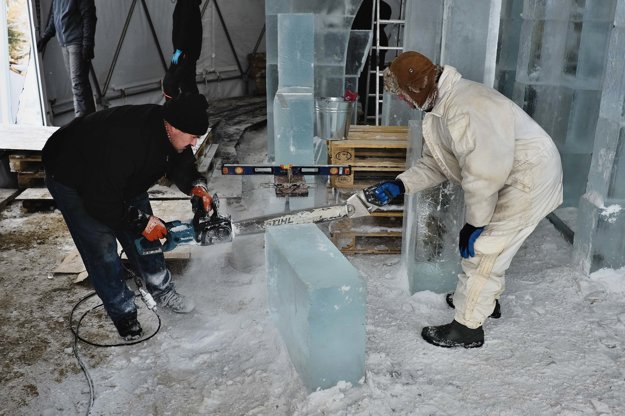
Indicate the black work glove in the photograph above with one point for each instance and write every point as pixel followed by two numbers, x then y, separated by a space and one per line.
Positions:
pixel 384 192
pixel 87 52
pixel 41 44
pixel 468 235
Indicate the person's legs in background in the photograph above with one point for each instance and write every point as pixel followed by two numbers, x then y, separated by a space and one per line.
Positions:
pixel 78 69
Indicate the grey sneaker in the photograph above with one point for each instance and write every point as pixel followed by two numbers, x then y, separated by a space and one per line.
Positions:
pixel 176 302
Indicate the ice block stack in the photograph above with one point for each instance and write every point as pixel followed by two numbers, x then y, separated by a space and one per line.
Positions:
pixel 599 241
pixel 317 300
pixel 294 105
pixel 560 69
pixel 332 23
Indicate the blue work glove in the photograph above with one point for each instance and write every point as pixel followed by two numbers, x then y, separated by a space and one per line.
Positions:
pixel 468 235
pixel 174 58
pixel 384 192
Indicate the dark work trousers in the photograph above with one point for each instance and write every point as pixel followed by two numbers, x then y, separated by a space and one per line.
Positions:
pixel 97 246
pixel 179 78
pixel 78 70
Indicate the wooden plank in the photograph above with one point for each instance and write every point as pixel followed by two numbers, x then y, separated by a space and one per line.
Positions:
pixel 34 194
pixel 371 243
pixel 7 195
pixel 205 162
pixel 23 137
pixel 30 179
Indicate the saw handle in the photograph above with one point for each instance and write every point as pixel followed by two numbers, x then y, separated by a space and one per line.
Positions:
pixel 177 232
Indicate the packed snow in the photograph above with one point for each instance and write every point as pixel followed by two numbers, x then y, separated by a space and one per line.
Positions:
pixel 558 348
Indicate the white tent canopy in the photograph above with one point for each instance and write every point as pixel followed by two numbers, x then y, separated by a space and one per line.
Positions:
pixel 133 46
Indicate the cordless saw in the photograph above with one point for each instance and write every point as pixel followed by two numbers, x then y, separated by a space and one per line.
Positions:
pixel 206 228
pixel 211 228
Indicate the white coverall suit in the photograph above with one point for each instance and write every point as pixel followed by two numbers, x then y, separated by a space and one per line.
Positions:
pixel 509 170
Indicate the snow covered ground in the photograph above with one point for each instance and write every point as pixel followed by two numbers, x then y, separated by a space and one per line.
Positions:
pixel 558 348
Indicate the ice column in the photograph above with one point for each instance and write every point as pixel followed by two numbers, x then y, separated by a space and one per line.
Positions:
pixel 599 241
pixel 509 34
pixel 462 34
pixel 432 221
pixel 317 300
pixel 559 76
pixel 332 24
pixel 293 106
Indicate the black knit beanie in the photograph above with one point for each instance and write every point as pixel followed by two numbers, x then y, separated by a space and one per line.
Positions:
pixel 187 113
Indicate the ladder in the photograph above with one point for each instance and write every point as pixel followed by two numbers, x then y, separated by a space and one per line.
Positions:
pixel 374 66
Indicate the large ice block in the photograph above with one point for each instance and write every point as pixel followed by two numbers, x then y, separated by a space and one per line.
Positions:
pixel 599 241
pixel 293 113
pixel 317 300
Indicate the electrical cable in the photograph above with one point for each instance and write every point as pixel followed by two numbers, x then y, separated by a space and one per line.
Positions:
pixel 77 336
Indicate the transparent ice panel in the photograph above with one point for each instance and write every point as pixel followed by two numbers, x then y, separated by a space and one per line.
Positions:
pixel 296 50
pixel 294 125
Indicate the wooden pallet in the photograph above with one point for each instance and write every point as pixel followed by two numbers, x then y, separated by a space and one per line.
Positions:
pixel 379 233
pixel 29 169
pixel 375 153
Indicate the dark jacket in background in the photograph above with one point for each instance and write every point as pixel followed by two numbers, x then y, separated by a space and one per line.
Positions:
pixel 113 155
pixel 187 28
pixel 73 21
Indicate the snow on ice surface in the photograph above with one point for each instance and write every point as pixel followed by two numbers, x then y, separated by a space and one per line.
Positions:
pixel 558 348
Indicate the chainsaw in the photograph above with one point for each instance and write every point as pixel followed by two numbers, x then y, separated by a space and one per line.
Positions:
pixel 212 228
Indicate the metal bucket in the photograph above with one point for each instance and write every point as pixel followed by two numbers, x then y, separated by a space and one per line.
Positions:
pixel 333 116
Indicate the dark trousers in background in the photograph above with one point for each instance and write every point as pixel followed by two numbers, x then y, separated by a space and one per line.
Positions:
pixel 78 70
pixel 97 245
pixel 179 78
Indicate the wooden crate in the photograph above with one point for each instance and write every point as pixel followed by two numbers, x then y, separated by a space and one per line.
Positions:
pixel 375 153
pixel 379 233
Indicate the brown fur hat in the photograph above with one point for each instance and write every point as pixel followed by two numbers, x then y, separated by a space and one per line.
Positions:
pixel 412 74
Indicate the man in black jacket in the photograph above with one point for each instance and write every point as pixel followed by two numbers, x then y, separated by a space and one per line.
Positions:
pixel 74 22
pixel 98 170
pixel 187 39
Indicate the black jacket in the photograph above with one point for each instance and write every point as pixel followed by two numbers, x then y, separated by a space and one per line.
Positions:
pixel 73 21
pixel 114 155
pixel 187 28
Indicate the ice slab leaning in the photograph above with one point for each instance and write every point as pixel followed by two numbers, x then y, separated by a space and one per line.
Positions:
pixel 317 300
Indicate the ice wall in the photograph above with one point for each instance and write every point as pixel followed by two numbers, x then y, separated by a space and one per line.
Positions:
pixel 333 21
pixel 462 34
pixel 317 300
pixel 599 238
pixel 450 32
pixel 562 53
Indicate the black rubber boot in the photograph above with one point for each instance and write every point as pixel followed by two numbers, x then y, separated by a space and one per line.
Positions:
pixel 496 312
pixel 453 335
pixel 128 327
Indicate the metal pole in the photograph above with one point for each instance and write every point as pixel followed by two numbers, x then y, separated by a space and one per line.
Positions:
pixel 154 36
pixel 119 47
pixel 223 24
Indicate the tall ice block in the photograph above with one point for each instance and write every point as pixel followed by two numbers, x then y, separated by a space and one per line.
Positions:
pixel 317 300
pixel 599 241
